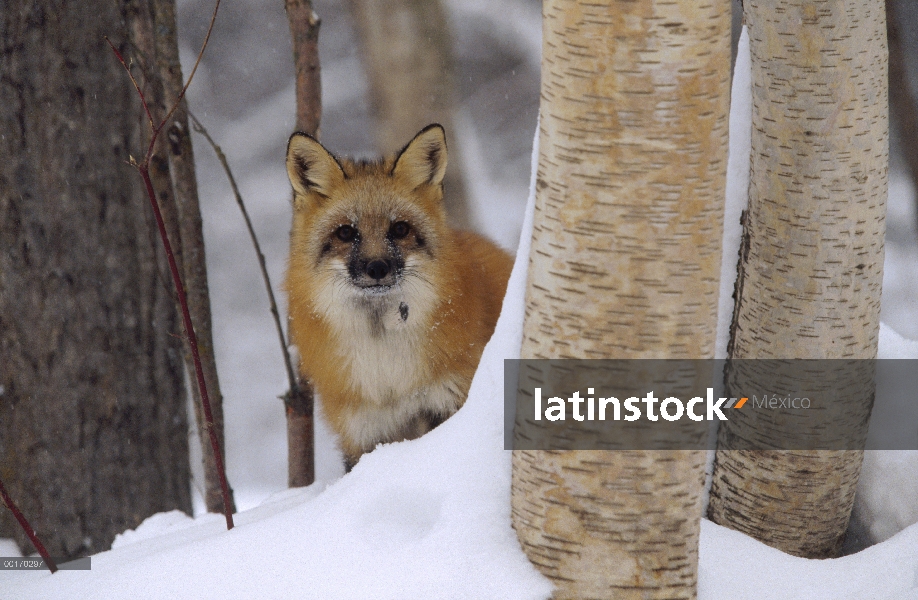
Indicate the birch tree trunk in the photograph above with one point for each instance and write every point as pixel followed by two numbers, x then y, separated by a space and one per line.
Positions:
pixel 812 260
pixel 625 264
pixel 407 51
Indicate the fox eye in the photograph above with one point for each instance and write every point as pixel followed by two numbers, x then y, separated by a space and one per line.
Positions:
pixel 400 229
pixel 346 233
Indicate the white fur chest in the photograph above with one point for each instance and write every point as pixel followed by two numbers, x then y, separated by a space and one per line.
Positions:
pixel 382 344
pixel 384 350
pixel 384 366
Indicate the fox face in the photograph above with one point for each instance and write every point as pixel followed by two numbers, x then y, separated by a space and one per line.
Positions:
pixel 369 233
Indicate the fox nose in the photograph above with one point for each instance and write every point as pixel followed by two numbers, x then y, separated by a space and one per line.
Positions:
pixel 378 269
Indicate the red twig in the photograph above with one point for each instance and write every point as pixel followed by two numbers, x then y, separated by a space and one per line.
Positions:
pixel 144 168
pixel 8 502
pixel 192 341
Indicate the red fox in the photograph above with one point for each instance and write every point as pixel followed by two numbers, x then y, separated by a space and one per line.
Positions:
pixel 390 308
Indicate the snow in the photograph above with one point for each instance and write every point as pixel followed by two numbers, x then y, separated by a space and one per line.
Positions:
pixel 430 518
pixel 736 567
pixel 9 548
pixel 737 192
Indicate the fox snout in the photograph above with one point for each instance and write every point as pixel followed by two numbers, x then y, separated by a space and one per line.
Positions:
pixel 379 269
pixel 376 272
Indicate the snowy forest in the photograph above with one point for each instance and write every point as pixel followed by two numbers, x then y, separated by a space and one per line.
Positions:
pixel 653 124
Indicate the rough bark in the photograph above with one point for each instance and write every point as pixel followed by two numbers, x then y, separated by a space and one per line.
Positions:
pixel 407 53
pixel 191 241
pixel 299 400
pixel 304 31
pixel 812 261
pixel 625 264
pixel 903 103
pixel 142 57
pixel 93 433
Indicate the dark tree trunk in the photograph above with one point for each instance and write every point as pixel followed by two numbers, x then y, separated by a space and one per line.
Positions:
pixel 903 102
pixel 299 400
pixel 93 431
pixel 190 227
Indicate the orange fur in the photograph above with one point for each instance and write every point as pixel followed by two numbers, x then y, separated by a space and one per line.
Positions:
pixel 388 361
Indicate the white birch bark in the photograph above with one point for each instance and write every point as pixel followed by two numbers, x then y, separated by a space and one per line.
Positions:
pixel 624 263
pixel 811 263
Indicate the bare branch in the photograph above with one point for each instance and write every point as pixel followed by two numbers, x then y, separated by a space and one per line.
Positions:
pixel 291 377
pixel 33 537
pixel 193 343
pixel 143 98
pixel 194 69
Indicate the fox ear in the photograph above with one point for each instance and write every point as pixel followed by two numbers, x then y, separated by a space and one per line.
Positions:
pixel 423 160
pixel 310 167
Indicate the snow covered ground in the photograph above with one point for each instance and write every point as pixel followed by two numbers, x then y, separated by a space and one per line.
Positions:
pixel 427 518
